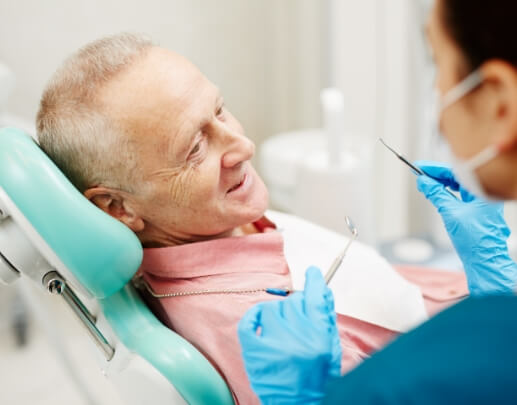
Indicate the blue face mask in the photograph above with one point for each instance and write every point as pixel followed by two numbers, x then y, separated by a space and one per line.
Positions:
pixel 465 170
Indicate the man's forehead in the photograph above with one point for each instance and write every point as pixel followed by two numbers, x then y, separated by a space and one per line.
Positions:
pixel 159 71
pixel 161 61
pixel 162 95
pixel 160 83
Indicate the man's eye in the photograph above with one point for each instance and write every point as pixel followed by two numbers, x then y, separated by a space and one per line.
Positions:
pixel 195 149
pixel 220 111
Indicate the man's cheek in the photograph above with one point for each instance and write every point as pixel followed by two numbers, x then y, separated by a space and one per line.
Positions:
pixel 207 191
pixel 201 191
pixel 181 188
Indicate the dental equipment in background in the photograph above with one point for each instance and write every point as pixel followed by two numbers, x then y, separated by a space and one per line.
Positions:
pixel 416 170
pixel 338 260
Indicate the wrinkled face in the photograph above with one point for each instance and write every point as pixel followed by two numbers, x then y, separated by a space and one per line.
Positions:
pixel 192 153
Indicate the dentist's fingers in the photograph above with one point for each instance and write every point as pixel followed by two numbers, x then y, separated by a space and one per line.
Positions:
pixel 440 172
pixel 316 295
pixel 329 299
pixel 466 196
pixel 272 323
pixel 292 308
pixel 435 192
pixel 250 323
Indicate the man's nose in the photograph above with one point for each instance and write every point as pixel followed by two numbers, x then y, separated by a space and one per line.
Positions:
pixel 238 149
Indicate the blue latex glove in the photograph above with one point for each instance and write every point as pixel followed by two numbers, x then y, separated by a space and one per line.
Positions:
pixel 291 347
pixel 477 229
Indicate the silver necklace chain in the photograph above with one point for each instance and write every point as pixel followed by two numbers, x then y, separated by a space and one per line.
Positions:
pixel 140 282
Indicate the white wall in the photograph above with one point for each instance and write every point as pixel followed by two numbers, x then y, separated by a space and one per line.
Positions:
pixel 370 65
pixel 249 48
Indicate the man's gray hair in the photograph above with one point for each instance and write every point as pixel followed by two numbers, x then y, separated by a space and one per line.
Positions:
pixel 84 142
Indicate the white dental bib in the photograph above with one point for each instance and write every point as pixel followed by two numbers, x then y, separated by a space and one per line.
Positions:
pixel 365 287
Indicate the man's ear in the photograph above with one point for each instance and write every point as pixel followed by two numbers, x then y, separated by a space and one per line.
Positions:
pixel 116 204
pixel 503 76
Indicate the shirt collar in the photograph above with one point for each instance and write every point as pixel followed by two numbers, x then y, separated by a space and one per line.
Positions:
pixel 256 253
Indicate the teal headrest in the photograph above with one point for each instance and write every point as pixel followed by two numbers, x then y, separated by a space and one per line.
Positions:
pixel 101 252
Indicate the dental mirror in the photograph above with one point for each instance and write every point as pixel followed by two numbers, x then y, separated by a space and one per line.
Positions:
pixel 339 259
pixel 351 227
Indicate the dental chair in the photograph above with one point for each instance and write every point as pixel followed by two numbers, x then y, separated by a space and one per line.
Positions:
pixel 52 235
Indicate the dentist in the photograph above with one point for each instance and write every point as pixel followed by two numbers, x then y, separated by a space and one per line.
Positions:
pixel 468 353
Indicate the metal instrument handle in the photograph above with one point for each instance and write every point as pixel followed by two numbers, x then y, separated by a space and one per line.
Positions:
pixel 56 284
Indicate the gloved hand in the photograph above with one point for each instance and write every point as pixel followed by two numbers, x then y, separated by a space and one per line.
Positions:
pixel 477 229
pixel 291 347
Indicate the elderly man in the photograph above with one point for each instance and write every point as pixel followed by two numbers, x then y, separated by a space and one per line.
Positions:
pixel 146 138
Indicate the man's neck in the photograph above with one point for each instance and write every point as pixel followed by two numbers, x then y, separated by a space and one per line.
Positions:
pixel 161 240
pixel 247 229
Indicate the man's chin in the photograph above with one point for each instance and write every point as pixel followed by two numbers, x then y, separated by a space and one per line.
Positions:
pixel 253 213
pixel 252 208
pixel 262 200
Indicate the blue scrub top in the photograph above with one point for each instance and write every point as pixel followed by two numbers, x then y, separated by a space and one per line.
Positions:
pixel 465 355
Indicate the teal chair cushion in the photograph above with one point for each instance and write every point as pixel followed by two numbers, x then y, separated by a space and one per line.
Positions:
pixel 101 252
pixel 192 375
pixel 103 255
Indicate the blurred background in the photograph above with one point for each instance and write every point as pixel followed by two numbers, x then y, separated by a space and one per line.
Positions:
pixel 271 60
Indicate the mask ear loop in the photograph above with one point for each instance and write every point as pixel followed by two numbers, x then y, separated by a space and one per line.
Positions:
pixel 482 158
pixel 468 84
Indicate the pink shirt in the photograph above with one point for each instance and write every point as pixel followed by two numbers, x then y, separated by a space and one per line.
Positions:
pixel 252 262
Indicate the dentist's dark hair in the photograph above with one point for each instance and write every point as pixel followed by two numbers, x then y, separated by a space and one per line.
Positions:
pixel 483 30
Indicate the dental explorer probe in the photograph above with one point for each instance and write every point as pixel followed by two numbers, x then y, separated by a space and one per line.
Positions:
pixel 415 169
pixel 338 260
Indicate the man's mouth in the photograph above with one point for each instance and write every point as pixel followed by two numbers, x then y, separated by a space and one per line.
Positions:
pixel 238 185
